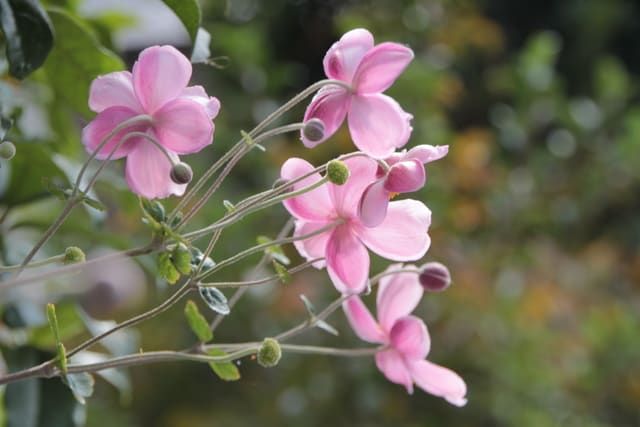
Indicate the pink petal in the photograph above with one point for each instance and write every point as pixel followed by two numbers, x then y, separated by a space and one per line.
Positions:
pixel 403 234
pixel 347 261
pixel 183 126
pixel 410 337
pixel 313 247
pixel 380 67
pixel 113 90
pixel 314 205
pixel 148 172
pixel 363 324
pixel 405 177
pixel 428 153
pixel 330 105
pixel 398 295
pixel 378 125
pixel 439 381
pixel 160 74
pixel 392 365
pixel 373 205
pixel 102 125
pixel 198 94
pixel 343 57
pixel 346 197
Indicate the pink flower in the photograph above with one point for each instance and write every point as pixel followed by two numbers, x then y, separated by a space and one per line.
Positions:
pixel 406 338
pixel 406 174
pixel 378 125
pixel 402 236
pixel 181 118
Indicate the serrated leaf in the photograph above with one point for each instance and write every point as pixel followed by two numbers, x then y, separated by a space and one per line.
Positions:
pixel 188 11
pixel 214 299
pixel 166 269
pixel 283 274
pixel 81 385
pixel 197 322
pixel 227 371
pixel 181 258
pixel 28 33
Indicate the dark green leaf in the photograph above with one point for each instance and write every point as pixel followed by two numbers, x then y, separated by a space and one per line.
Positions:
pixel 166 269
pixel 227 371
pixel 197 322
pixel 214 299
pixel 81 385
pixel 155 209
pixel 188 11
pixel 95 204
pixel 29 36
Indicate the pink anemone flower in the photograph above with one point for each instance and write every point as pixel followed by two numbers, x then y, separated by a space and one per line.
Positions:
pixel 402 236
pixel 377 124
pixel 406 174
pixel 405 337
pixel 181 118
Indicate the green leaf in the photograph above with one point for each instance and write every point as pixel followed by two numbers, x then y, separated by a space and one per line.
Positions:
pixel 69 325
pixel 155 209
pixel 215 299
pixel 284 275
pixel 28 33
pixel 76 59
pixel 60 350
pixel 81 385
pixel 95 204
pixel 181 258
pixel 275 251
pixel 197 322
pixel 166 269
pixel 227 371
pixel 311 311
pixel 188 11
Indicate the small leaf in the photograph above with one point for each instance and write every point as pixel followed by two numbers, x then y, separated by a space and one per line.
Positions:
pixel 188 11
pixel 227 371
pixel 81 385
pixel 275 251
pixel 181 258
pixel 201 52
pixel 310 308
pixel 70 325
pixel 214 299
pixel 61 353
pixel 197 322
pixel 166 269
pixel 55 189
pixel 154 208
pixel 95 204
pixel 60 350
pixel 228 206
pixel 284 275
pixel 326 327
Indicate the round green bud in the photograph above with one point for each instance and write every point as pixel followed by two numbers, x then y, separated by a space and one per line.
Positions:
pixel 181 173
pixel 313 130
pixel 7 150
pixel 337 172
pixel 73 255
pixel 269 353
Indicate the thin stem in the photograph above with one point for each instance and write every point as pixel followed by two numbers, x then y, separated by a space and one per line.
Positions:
pixel 264 280
pixel 51 260
pixel 330 351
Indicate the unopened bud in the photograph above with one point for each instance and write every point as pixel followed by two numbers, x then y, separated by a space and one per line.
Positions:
pixel 181 173
pixel 269 353
pixel 434 277
pixel 7 150
pixel 337 172
pixel 313 130
pixel 73 255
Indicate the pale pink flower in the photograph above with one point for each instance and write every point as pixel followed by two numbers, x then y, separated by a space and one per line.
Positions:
pixel 378 125
pixel 406 174
pixel 402 236
pixel 406 338
pixel 181 118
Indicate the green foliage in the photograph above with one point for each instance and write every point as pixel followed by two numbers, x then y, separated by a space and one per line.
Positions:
pixel 226 371
pixel 189 13
pixel 166 269
pixel 81 385
pixel 60 350
pixel 66 321
pixel 197 322
pixel 181 258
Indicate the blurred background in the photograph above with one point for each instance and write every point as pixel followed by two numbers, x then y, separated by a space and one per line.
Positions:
pixel 535 211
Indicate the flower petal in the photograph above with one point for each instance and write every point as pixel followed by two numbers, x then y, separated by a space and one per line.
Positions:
pixel 380 67
pixel 405 177
pixel 313 247
pixel 111 90
pixel 439 381
pixel 402 236
pixel 428 153
pixel 198 94
pixel 378 125
pixel 347 261
pixel 148 172
pixel 183 126
pixel 343 57
pixel 346 197
pixel 160 74
pixel 314 205
pixel 102 125
pixel 330 105
pixel 391 364
pixel 398 295
pixel 372 208
pixel 410 337
pixel 363 324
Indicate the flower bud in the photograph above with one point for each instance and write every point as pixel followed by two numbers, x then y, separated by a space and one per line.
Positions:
pixel 434 277
pixel 337 171
pixel 313 130
pixel 269 353
pixel 7 150
pixel 73 254
pixel 181 173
